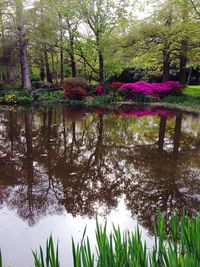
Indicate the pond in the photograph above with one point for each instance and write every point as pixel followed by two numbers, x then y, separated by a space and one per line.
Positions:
pixel 62 166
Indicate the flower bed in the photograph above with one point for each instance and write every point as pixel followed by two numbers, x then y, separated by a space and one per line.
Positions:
pixel 157 90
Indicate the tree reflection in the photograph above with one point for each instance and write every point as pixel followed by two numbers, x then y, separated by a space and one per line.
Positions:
pixel 69 159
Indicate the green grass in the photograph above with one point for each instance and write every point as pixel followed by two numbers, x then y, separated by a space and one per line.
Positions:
pixel 192 90
pixel 176 244
pixel 184 99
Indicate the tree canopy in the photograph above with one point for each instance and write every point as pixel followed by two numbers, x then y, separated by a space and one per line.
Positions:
pixel 49 40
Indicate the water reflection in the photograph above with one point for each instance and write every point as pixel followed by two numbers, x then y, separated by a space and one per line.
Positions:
pixel 72 159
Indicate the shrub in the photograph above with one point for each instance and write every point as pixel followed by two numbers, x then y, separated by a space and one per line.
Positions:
pixel 99 88
pixel 75 92
pixel 156 90
pixel 116 84
pixel 107 99
pixel 74 89
pixel 107 88
pixel 48 96
pixel 76 81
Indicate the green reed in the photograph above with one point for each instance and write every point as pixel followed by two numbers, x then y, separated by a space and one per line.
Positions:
pixel 1 264
pixel 51 258
pixel 176 244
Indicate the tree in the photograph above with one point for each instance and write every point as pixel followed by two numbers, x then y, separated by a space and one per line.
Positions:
pixel 102 17
pixel 168 38
pixel 22 44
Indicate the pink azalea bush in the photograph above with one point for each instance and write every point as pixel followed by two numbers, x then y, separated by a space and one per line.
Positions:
pixel 99 89
pixel 116 84
pixel 157 90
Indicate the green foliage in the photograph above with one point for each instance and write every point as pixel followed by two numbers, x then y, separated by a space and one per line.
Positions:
pixel 184 99
pixel 1 263
pixel 51 259
pixel 192 90
pixel 176 245
pixel 128 94
pixel 48 96
pixel 107 99
pixel 34 74
pixel 9 86
pixel 20 96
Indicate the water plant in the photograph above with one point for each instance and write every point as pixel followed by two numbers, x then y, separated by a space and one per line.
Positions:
pixel 51 259
pixel 1 264
pixel 176 244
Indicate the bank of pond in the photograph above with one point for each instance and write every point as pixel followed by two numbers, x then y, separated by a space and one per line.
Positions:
pixel 77 91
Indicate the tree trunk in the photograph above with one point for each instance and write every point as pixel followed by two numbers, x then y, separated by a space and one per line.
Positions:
pixel 100 59
pixel 22 46
pixel 61 56
pixel 61 65
pixel 166 63
pixel 53 67
pixel 184 43
pixel 42 72
pixel 72 57
pixel 48 73
pixel 183 62
pixel 101 66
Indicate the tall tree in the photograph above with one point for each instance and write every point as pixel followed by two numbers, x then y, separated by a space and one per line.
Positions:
pixel 26 83
pixel 184 42
pixel 102 16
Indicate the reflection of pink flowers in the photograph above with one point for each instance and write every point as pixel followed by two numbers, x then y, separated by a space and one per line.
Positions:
pixel 99 88
pixel 154 89
pixel 116 84
pixel 147 112
pixel 99 111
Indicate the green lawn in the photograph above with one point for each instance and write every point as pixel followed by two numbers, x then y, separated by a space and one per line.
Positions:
pixel 192 90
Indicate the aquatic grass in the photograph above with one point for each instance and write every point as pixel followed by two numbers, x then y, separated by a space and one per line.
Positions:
pixel 1 263
pixel 51 259
pixel 176 244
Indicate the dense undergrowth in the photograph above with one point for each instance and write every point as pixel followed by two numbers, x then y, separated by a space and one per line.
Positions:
pixel 176 244
pixel 190 97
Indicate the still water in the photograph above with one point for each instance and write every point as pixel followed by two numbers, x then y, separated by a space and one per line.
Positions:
pixel 61 166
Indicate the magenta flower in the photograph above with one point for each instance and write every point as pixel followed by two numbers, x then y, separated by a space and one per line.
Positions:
pixel 115 84
pixel 99 88
pixel 153 89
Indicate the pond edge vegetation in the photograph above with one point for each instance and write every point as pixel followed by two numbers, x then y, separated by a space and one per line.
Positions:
pixel 76 91
pixel 176 244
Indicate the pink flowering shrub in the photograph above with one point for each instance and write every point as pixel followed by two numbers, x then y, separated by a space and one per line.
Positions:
pixel 99 89
pixel 116 84
pixel 157 90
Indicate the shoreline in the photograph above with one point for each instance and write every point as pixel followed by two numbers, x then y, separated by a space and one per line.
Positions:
pixel 173 106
